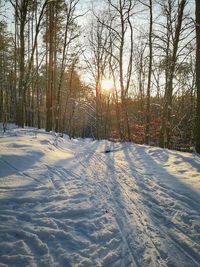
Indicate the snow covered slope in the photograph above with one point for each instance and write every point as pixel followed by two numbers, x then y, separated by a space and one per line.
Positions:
pixel 68 203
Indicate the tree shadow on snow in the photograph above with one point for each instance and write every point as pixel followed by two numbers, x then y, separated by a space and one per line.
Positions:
pixel 12 163
pixel 172 206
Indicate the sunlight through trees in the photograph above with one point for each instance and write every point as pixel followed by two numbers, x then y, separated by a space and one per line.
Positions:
pixel 132 63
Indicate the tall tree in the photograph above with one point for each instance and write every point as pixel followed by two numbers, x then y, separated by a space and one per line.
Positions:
pixel 124 10
pixel 21 9
pixel 121 30
pixel 50 65
pixel 171 61
pixel 198 75
pixel 70 35
pixel 5 74
pixel 98 41
pixel 150 44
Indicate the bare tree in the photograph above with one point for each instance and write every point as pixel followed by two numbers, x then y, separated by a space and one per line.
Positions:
pixel 150 45
pixel 21 8
pixel 121 30
pixel 198 76
pixel 71 33
pixel 50 66
pixel 172 37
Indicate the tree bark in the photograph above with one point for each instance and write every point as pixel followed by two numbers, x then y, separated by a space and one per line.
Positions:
pixel 165 133
pixel 197 134
pixel 147 130
pixel 50 67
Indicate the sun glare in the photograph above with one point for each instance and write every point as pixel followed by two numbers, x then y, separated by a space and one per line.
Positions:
pixel 107 84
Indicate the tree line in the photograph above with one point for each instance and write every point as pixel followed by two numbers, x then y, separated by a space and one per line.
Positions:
pixel 55 55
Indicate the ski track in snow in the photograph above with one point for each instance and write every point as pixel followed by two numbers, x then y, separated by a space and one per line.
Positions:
pixel 67 203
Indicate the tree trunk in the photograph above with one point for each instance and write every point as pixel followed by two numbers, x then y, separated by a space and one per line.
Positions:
pixel 147 130
pixel 165 133
pixel 197 135
pixel 50 67
pixel 21 99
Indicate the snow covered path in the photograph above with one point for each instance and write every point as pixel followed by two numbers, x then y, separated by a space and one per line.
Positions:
pixel 67 203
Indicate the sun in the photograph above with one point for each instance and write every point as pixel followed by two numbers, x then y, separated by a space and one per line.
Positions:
pixel 107 84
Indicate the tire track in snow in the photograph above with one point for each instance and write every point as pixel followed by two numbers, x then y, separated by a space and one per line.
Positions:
pixel 182 247
pixel 160 215
pixel 135 210
pixel 165 193
pixel 21 172
pixel 119 219
pixel 195 258
pixel 59 184
pixel 97 158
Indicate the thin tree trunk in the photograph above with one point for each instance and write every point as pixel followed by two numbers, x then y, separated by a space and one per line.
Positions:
pixel 50 67
pixel 165 133
pixel 21 100
pixel 197 134
pixel 147 130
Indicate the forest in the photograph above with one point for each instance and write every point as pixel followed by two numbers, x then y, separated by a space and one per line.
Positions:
pixel 125 70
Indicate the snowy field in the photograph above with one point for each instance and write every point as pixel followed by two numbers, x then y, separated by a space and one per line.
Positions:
pixel 68 203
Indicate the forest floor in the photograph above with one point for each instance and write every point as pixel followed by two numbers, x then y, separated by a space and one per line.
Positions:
pixel 68 203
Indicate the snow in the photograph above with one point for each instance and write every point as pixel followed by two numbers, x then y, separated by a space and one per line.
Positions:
pixel 68 203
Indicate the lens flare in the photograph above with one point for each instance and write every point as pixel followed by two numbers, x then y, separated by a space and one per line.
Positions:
pixel 107 84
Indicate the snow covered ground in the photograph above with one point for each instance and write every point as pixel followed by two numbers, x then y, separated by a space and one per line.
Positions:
pixel 68 203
